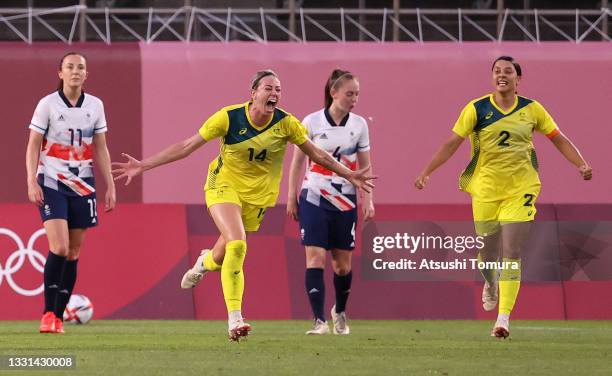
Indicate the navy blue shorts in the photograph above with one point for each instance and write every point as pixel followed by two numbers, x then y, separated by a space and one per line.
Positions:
pixel 79 211
pixel 328 229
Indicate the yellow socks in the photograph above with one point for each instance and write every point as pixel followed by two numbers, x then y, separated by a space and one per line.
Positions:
pixel 232 276
pixel 210 264
pixel 509 285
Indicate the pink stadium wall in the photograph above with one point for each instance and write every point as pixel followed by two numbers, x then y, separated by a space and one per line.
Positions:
pixel 30 73
pixel 411 94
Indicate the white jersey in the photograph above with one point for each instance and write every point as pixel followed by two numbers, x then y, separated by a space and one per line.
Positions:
pixel 66 156
pixel 343 141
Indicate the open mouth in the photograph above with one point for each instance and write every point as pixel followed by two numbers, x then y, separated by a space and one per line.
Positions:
pixel 271 103
pixel 502 83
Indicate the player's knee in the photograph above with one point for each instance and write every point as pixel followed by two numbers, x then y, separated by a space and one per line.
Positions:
pixel 315 263
pixel 342 270
pixel 60 249
pixel 74 253
pixel 236 247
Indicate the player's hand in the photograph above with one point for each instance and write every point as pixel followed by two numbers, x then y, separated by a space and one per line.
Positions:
pixel 110 199
pixel 292 209
pixel 368 211
pixel 586 171
pixel 361 179
pixel 421 181
pixel 131 168
pixel 35 194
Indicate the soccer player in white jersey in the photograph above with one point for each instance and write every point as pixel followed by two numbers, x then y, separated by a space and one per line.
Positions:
pixel 327 208
pixel 67 133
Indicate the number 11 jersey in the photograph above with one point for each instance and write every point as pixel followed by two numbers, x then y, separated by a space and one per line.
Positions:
pixel 66 157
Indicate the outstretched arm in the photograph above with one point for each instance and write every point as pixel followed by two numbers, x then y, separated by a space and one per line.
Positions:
pixel 360 178
pixel 174 152
pixel 295 173
pixel 442 155
pixel 571 153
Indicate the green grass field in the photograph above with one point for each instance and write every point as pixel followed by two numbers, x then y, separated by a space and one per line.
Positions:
pixel 280 347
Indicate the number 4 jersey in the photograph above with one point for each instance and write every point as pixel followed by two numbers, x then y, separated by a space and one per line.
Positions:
pixel 504 162
pixel 322 187
pixel 66 157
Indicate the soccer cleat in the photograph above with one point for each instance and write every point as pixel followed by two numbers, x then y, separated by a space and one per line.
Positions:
pixel 59 326
pixel 194 275
pixel 319 327
pixel 339 320
pixel 47 323
pixel 489 296
pixel 502 327
pixel 239 330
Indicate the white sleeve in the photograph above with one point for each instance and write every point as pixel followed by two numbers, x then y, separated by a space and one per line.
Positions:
pixel 363 144
pixel 40 119
pixel 100 124
pixel 306 123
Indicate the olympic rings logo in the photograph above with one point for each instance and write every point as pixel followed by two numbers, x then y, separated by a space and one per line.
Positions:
pixel 17 258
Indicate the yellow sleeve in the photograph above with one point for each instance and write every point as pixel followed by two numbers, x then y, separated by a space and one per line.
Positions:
pixel 295 131
pixel 544 122
pixel 467 121
pixel 216 126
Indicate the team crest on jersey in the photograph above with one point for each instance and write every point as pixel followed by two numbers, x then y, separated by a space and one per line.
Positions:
pixel 242 131
pixel 489 115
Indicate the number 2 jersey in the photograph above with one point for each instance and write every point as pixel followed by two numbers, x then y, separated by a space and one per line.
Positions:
pixel 251 157
pixel 343 141
pixel 66 156
pixel 504 162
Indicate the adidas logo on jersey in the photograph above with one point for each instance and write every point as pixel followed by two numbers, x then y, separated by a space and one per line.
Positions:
pixel 323 136
pixel 313 290
pixel 93 220
pixel 61 118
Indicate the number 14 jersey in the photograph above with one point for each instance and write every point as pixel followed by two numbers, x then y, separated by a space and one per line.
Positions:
pixel 251 157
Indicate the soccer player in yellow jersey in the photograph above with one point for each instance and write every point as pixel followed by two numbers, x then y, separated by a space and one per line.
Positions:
pixel 243 181
pixel 502 177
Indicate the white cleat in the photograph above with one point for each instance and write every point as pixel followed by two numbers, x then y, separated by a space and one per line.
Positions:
pixel 238 330
pixel 319 327
pixel 501 329
pixel 194 275
pixel 339 319
pixel 490 296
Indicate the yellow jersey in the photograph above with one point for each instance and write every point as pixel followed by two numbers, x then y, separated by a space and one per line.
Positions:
pixel 504 162
pixel 251 157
